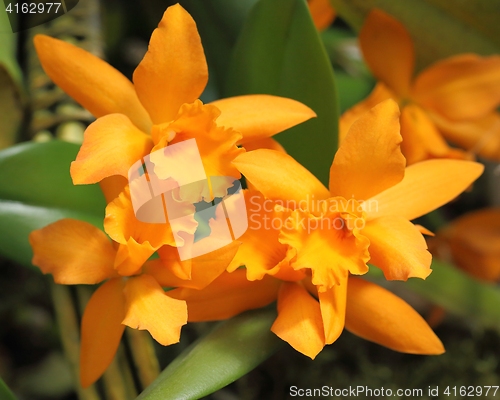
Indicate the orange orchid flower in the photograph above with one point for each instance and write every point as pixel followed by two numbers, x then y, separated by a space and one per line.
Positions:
pixel 472 243
pixel 302 310
pixel 363 217
pixel 138 116
pixel 322 13
pixel 75 252
pixel 454 99
pixel 159 109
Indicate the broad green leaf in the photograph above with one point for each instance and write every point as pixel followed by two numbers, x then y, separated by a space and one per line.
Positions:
pixel 351 89
pixel 11 107
pixel 38 174
pixel 353 79
pixel 439 28
pixel 219 23
pixel 455 291
pixel 231 350
pixel 279 52
pixel 36 190
pixel 50 378
pixel 5 392
pixel 460 294
pixel 17 220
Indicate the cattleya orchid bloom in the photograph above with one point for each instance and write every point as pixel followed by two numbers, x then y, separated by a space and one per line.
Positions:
pixel 75 252
pixel 322 13
pixel 472 243
pixel 454 99
pixel 172 74
pixel 160 108
pixel 323 236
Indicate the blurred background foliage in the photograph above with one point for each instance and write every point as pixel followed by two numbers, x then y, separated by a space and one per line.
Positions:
pixel 252 46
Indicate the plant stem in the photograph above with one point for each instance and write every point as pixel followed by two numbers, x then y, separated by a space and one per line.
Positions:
pixel 143 352
pixel 65 310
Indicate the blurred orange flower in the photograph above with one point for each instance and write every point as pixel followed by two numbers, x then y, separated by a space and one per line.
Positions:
pixel 322 13
pixel 472 242
pixel 454 99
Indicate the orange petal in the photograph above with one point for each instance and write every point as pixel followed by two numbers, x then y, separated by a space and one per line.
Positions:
pixel 426 186
pixel 423 230
pixel 388 50
pixel 398 248
pixel 327 245
pixel 74 252
pixel 227 296
pixel 480 136
pixel 131 256
pixel 261 252
pixel 174 70
pixel 369 159
pixel 175 268
pixel 266 143
pixel 473 242
pixel 121 224
pixel 322 13
pixel 92 82
pixel 203 269
pixel 279 176
pixel 112 186
pixel 149 308
pixel 378 95
pixel 258 116
pixel 421 139
pixel 299 320
pixel 102 330
pixel 111 145
pixel 463 87
pixel 333 306
pixel 376 314
pixel 216 145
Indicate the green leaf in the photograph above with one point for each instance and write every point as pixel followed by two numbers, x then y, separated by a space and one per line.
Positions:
pixel 460 294
pixel 36 190
pixel 231 350
pixel 50 378
pixel 17 220
pixel 439 28
pixel 352 89
pixel 219 23
pixel 353 79
pixel 5 392
pixel 279 52
pixel 38 174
